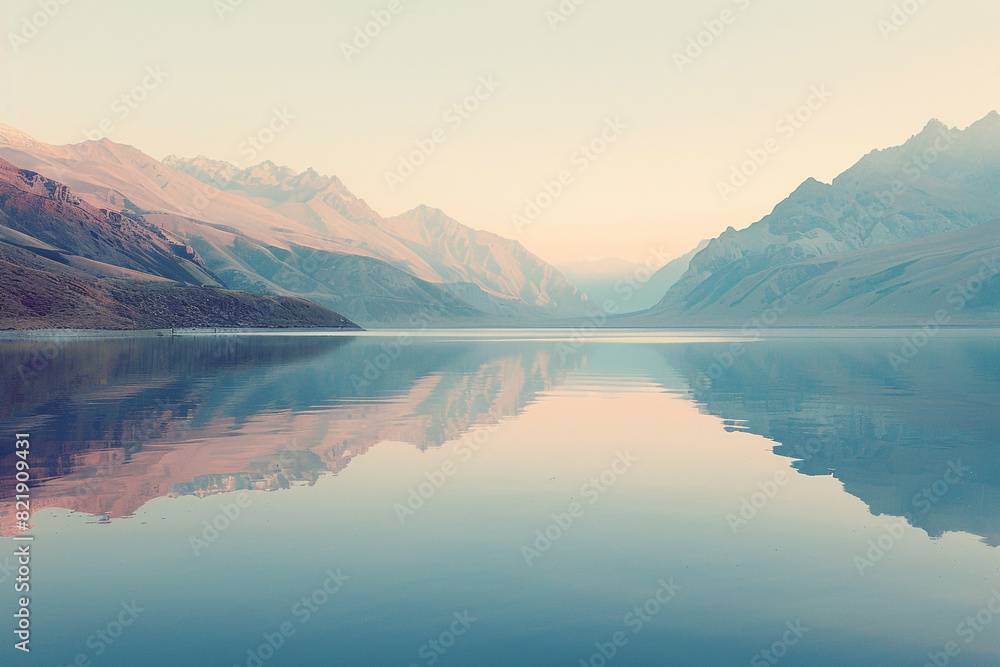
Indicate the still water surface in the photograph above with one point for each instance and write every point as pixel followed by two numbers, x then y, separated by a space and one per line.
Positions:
pixel 507 499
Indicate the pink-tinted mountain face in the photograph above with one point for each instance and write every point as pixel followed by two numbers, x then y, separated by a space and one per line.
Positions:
pixel 52 213
pixel 423 241
pixel 272 230
pixel 67 264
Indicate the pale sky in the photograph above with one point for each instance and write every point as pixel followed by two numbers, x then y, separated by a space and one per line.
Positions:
pixel 657 182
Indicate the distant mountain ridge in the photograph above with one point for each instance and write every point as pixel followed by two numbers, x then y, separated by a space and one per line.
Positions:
pixel 631 286
pixel 941 181
pixel 423 241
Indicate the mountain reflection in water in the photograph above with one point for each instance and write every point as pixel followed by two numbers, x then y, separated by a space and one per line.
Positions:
pixel 126 421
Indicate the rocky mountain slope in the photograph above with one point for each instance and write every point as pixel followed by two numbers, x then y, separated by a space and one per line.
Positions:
pixel 244 245
pixel 425 242
pixel 50 212
pixel 499 266
pixel 947 279
pixel 840 249
pixel 67 264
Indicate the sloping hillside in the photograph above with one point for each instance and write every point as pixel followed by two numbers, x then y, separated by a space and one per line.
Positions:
pixel 814 243
pixel 49 211
pixel 244 245
pixel 955 275
pixel 424 242
pixel 498 265
pixel 66 264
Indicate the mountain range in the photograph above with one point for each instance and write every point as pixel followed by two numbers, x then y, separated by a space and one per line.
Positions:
pixel 269 230
pixel 423 241
pixel 904 233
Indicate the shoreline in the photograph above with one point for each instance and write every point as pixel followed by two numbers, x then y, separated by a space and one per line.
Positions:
pixel 84 334
pixel 8 335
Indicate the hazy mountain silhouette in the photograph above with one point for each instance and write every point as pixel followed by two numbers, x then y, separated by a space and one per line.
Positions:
pixel 885 243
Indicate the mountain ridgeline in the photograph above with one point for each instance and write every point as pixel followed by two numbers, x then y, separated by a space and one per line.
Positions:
pixel 906 234
pixel 496 276
pixel 269 230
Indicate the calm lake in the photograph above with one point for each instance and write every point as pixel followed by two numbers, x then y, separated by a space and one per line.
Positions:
pixel 507 498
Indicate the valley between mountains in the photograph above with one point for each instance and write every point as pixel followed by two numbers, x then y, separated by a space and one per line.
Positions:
pixel 99 235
